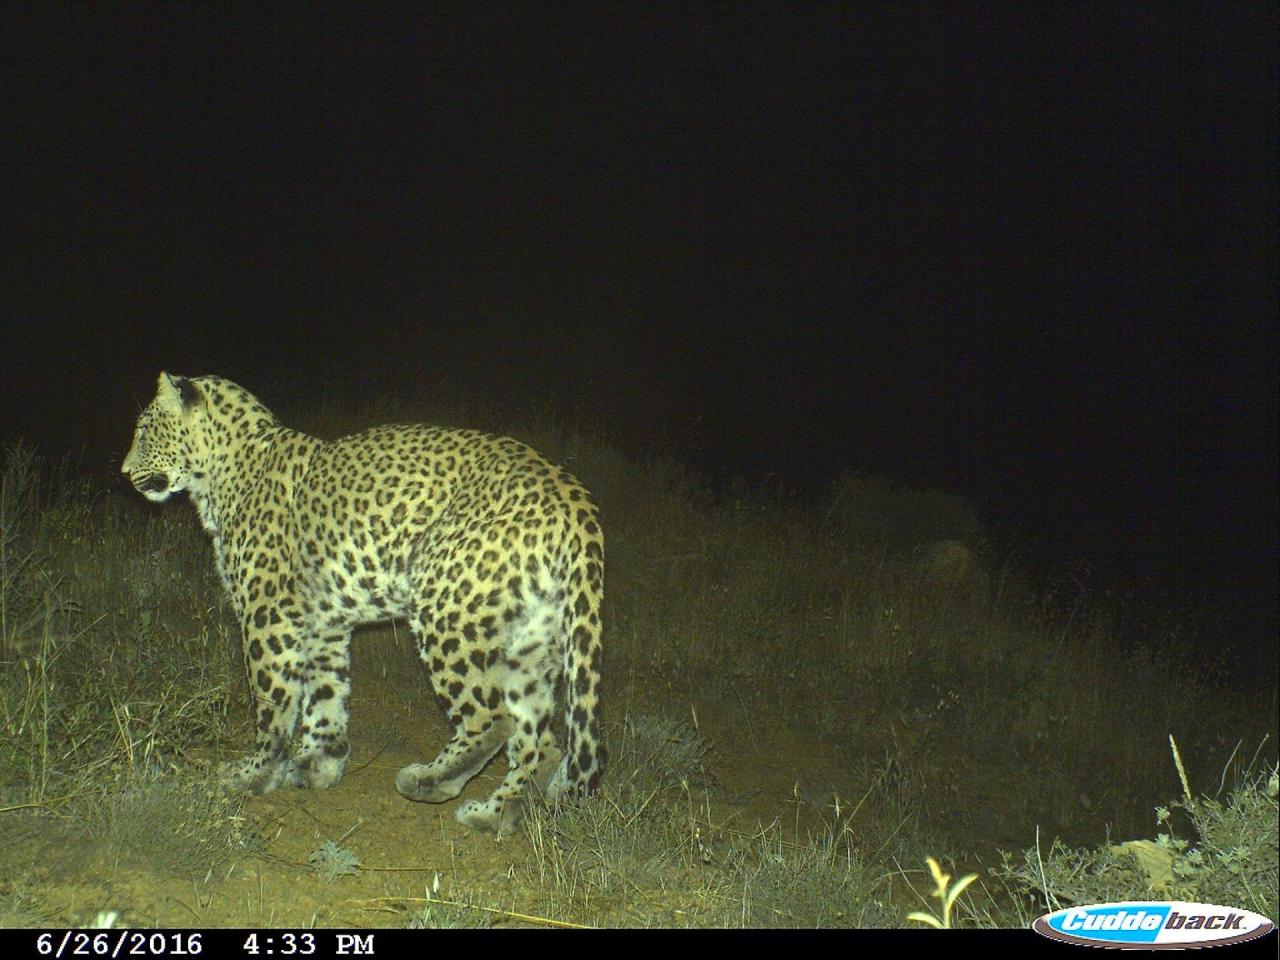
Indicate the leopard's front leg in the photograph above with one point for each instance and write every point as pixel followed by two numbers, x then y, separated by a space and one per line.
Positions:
pixel 274 663
pixel 323 747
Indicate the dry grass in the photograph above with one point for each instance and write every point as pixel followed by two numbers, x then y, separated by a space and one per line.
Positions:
pixel 960 708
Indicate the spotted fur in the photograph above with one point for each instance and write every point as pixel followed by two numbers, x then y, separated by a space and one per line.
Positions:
pixel 492 554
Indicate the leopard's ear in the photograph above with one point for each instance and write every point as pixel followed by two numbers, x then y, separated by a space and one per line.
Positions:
pixel 177 391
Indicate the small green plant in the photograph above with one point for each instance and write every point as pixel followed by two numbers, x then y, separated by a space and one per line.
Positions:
pixel 452 915
pixel 947 894
pixel 332 861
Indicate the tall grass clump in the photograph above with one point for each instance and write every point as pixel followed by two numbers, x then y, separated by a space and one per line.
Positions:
pixel 116 649
pixel 1207 850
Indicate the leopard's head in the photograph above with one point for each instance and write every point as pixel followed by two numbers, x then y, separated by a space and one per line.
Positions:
pixel 168 448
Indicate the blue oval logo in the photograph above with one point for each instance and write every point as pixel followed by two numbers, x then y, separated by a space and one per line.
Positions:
pixel 1153 923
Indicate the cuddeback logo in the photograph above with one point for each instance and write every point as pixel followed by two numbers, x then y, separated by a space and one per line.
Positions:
pixel 1155 923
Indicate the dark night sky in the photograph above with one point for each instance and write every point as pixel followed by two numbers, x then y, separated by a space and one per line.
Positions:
pixel 965 241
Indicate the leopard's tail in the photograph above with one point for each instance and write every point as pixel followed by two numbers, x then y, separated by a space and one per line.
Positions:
pixel 584 756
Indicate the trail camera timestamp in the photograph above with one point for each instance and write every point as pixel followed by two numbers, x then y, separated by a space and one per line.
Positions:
pixel 282 943
pixel 121 944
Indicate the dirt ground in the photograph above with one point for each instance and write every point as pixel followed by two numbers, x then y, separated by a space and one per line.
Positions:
pixel 406 851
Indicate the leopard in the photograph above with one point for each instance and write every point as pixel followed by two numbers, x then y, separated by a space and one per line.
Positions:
pixel 492 554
